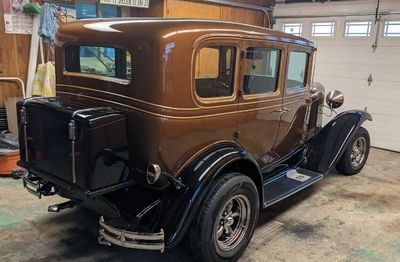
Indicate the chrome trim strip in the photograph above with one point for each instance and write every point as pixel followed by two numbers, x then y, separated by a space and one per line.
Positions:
pixel 340 149
pixel 215 162
pixel 73 161
pixel 180 117
pixel 130 239
pixel 127 97
pixel 26 144
pixel 181 108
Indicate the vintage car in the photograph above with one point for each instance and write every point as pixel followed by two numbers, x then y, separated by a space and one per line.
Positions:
pixel 172 128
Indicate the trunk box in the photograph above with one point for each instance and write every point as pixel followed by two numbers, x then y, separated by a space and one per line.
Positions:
pixel 69 141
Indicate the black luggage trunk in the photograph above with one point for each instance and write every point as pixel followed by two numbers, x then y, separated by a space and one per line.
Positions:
pixel 70 141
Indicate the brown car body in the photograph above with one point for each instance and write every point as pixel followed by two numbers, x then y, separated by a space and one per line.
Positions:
pixel 146 148
pixel 161 98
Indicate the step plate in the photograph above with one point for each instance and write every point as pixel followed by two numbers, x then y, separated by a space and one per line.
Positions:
pixel 288 183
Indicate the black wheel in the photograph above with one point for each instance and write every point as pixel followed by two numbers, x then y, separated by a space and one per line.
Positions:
pixel 224 223
pixel 356 154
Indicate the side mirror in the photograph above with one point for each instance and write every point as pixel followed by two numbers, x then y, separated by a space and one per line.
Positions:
pixel 334 99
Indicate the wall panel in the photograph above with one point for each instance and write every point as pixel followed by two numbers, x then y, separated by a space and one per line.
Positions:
pixel 14 56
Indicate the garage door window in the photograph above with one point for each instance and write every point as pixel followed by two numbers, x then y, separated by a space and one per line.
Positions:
pixel 323 29
pixel 214 71
pixel 392 29
pixel 358 28
pixel 261 67
pixel 297 71
pixel 293 28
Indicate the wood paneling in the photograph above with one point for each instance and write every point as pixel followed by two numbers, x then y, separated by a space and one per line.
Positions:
pixel 240 15
pixel 182 9
pixel 14 55
pixel 191 9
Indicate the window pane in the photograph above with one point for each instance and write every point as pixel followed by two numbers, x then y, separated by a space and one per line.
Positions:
pixel 358 28
pixel 323 29
pixel 110 11
pixel 392 28
pixel 214 71
pixel 84 11
pixel 99 60
pixel 261 66
pixel 297 70
pixel 293 28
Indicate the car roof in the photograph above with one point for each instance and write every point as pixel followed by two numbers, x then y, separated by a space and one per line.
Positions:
pixel 124 30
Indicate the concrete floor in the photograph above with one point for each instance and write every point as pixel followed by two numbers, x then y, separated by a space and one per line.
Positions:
pixel 339 219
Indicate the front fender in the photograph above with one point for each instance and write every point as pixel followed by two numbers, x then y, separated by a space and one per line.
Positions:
pixel 197 177
pixel 328 146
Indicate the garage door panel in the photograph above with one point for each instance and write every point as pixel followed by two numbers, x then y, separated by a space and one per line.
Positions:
pixel 345 64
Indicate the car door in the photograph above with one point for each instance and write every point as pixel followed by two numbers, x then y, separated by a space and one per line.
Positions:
pixel 262 66
pixel 294 100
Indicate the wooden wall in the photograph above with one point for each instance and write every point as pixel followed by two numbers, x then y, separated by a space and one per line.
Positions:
pixel 14 56
pixel 193 9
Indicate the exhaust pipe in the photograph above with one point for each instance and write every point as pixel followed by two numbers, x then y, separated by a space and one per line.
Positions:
pixel 58 207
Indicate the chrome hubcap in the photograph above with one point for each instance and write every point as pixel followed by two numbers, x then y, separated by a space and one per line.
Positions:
pixel 358 152
pixel 233 222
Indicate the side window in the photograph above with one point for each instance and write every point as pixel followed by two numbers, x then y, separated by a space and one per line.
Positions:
pixel 215 71
pixel 99 60
pixel 297 70
pixel 261 67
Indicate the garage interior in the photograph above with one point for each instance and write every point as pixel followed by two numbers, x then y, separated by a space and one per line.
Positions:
pixel 341 218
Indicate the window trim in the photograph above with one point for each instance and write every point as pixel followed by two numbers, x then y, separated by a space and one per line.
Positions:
pixel 222 99
pixel 292 90
pixel 278 82
pixel 346 27
pixel 301 27
pixel 94 76
pixel 334 23
pixel 384 29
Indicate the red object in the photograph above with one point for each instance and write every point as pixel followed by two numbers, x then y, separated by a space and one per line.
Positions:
pixel 8 162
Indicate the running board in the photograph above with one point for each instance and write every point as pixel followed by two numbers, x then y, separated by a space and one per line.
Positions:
pixel 287 184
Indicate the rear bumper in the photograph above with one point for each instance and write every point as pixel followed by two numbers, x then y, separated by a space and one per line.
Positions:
pixel 42 184
pixel 137 240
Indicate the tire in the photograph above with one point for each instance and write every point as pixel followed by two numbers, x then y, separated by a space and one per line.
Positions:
pixel 353 161
pixel 233 190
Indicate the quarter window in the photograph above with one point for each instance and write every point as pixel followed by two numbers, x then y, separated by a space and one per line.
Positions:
pixel 214 71
pixel 358 28
pixel 392 29
pixel 297 70
pixel 323 29
pixel 261 67
pixel 293 28
pixel 98 60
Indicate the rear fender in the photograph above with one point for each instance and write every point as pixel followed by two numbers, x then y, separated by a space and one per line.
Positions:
pixel 197 177
pixel 328 146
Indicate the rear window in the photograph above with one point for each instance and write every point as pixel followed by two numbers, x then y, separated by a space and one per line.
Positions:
pixel 95 61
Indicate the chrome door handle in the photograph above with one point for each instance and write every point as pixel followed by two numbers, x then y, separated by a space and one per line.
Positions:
pixel 283 110
pixel 280 111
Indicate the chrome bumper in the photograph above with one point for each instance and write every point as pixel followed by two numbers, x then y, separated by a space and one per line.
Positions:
pixel 32 184
pixel 129 239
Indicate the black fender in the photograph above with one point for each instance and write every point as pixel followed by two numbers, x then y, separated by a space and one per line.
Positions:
pixel 197 177
pixel 328 146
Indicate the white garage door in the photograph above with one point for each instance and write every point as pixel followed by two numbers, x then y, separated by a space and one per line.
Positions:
pixel 347 63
